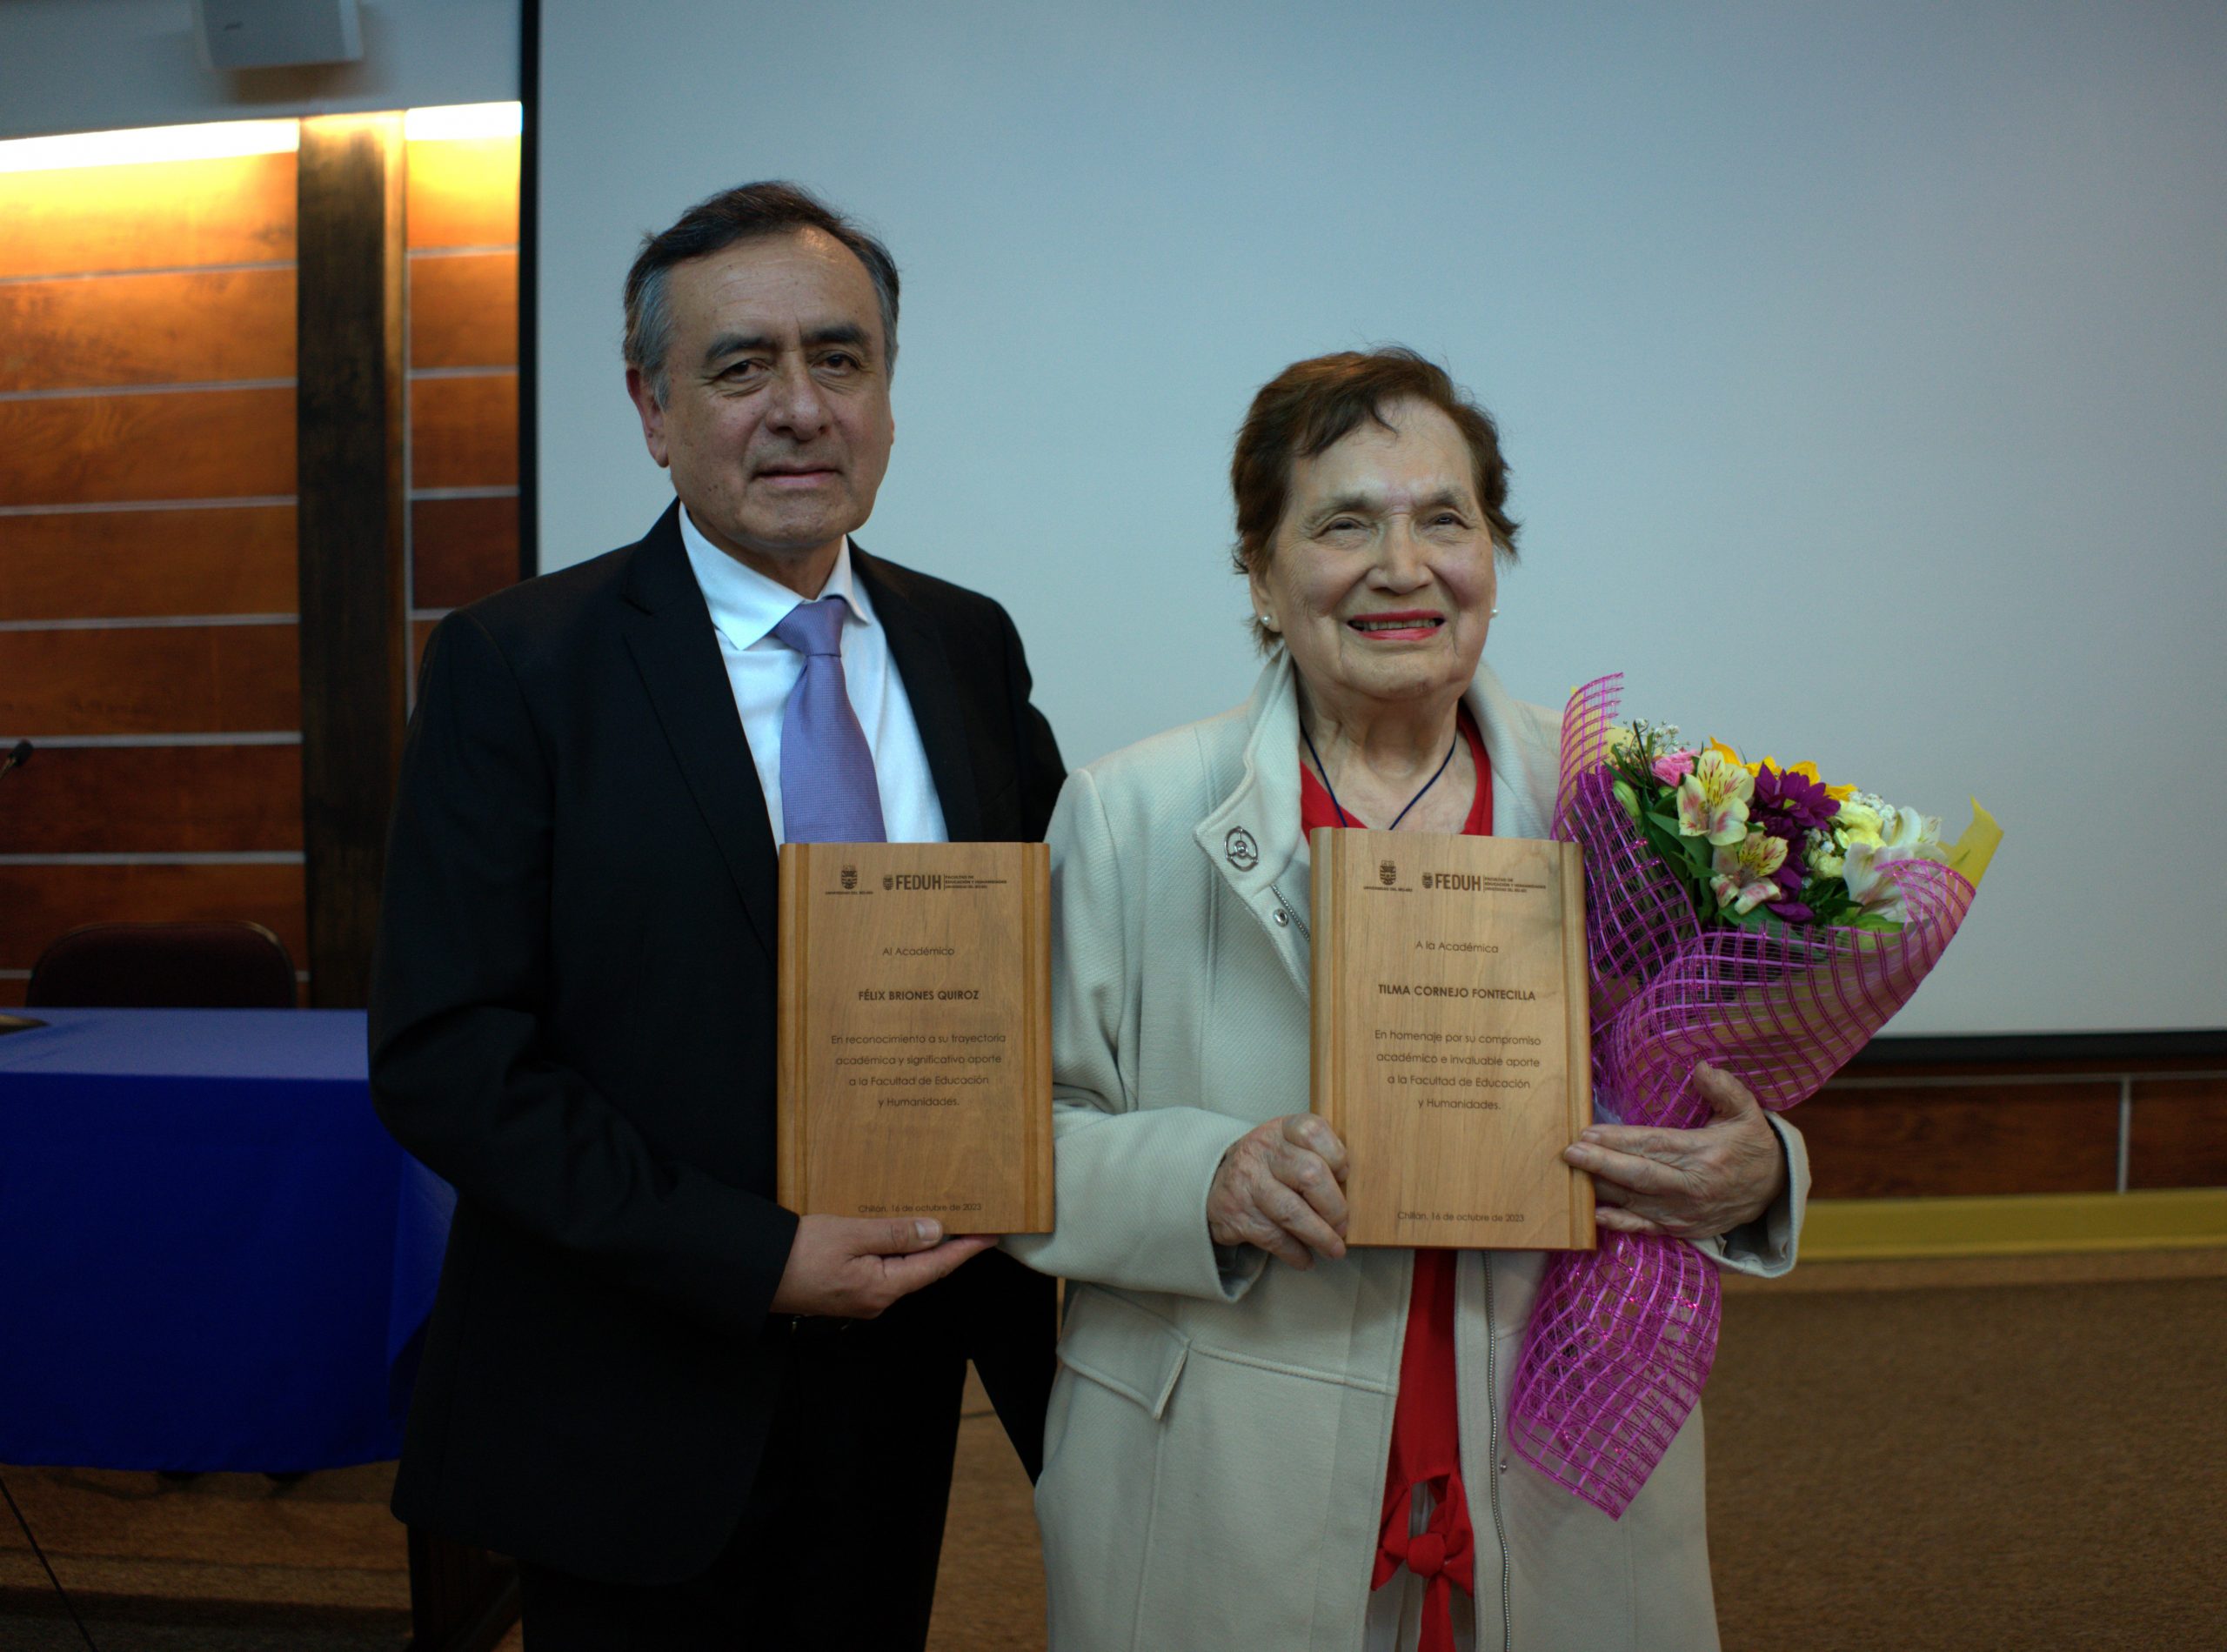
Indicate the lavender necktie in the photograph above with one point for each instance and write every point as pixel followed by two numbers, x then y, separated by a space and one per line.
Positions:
pixel 828 793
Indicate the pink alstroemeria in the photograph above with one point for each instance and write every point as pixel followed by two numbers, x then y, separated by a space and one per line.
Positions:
pixel 1744 870
pixel 1713 800
pixel 1673 766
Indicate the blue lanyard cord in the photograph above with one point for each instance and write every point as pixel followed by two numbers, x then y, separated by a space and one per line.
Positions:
pixel 1344 819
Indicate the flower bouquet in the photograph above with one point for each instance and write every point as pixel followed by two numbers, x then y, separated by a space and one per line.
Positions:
pixel 1748 915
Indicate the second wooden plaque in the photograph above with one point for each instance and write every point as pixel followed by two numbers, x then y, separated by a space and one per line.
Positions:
pixel 1451 1048
pixel 916 1032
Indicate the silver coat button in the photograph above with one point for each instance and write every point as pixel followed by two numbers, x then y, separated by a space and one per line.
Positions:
pixel 1283 917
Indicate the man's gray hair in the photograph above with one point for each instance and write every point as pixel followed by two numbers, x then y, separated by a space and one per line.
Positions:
pixel 749 212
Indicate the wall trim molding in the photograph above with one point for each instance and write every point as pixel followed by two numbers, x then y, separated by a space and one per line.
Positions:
pixel 2014 1224
pixel 2104 1051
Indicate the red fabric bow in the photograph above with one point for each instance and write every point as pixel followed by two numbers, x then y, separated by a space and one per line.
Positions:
pixel 1442 1554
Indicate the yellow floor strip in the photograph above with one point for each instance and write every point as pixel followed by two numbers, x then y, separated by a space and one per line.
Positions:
pixel 2025 1224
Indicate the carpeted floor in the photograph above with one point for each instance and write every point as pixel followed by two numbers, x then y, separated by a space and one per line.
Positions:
pixel 1977 1464
pixel 1906 1455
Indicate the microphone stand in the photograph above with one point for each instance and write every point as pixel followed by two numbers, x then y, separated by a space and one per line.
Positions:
pixel 15 759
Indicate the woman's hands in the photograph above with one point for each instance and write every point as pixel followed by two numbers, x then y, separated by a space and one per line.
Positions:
pixel 1282 1186
pixel 1685 1184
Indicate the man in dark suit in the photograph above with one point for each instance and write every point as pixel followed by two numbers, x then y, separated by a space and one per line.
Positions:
pixel 696 1419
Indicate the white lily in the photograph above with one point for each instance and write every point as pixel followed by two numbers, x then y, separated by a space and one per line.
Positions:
pixel 1907 835
pixel 1868 873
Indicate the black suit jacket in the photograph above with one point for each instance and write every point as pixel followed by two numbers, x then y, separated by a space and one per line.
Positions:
pixel 573 1021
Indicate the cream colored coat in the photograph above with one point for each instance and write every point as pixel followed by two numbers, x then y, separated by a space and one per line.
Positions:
pixel 1214 1455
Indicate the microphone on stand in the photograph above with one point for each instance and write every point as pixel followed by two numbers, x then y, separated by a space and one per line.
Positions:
pixel 16 758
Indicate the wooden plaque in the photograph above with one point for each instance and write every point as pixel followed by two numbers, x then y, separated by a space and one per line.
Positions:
pixel 916 1032
pixel 1451 1050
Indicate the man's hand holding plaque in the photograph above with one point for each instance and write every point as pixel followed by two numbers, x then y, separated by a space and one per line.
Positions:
pixel 853 1267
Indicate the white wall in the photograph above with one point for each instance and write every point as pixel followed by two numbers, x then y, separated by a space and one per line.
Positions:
pixel 95 65
pixel 1864 369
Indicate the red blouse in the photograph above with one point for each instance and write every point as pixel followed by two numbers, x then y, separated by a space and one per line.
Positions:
pixel 1426 1433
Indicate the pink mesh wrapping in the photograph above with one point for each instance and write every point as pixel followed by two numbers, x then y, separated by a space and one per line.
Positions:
pixel 1621 1340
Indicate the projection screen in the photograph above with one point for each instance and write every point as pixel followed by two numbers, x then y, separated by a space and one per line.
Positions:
pixel 1863 370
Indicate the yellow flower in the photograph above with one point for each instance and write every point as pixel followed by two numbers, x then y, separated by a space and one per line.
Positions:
pixel 1858 823
pixel 1823 855
pixel 1808 771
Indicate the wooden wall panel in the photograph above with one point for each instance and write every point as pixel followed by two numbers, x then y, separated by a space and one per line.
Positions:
pixel 160 215
pixel 463 192
pixel 177 328
pixel 143 799
pixel 43 902
pixel 105 564
pixel 183 445
pixel 1900 1144
pixel 2179 1138
pixel 114 291
pixel 464 311
pixel 419 630
pixel 462 550
pixel 464 433
pixel 163 679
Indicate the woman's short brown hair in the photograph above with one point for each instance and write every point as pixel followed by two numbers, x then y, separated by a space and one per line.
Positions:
pixel 1313 404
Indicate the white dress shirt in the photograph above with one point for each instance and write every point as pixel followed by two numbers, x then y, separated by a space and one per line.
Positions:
pixel 763 670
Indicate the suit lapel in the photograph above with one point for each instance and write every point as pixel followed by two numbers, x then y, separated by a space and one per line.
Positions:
pixel 932 690
pixel 676 651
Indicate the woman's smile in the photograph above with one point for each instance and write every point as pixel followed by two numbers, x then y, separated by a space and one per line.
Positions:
pixel 1405 624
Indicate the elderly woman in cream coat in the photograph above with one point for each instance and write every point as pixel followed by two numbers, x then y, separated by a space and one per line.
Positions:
pixel 1215 1458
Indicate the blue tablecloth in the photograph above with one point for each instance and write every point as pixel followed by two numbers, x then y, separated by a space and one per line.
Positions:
pixel 212 1255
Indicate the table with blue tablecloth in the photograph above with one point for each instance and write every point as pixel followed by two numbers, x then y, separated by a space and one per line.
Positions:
pixel 214 1257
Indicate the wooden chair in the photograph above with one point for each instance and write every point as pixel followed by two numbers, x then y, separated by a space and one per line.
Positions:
pixel 226 965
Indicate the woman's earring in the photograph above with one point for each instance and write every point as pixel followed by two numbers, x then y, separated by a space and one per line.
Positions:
pixel 1494 615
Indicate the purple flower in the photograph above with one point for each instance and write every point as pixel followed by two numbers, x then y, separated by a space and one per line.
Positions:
pixel 1798 801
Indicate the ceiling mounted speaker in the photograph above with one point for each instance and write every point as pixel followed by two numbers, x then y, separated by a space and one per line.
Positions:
pixel 277 34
